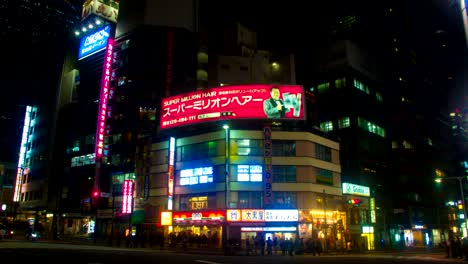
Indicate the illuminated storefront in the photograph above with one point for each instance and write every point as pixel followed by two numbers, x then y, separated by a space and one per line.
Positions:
pixel 203 226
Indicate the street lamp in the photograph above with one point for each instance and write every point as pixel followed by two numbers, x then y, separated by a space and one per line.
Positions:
pixel 460 178
pixel 226 173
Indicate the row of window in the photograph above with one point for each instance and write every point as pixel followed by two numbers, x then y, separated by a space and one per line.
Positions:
pixel 341 83
pixel 245 200
pixel 248 173
pixel 247 147
pixel 344 122
pixel 31 196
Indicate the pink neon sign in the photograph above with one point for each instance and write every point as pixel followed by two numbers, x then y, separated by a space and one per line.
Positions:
pixel 127 197
pixel 103 99
pixel 233 102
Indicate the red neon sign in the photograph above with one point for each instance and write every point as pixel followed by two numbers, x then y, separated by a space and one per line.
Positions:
pixel 231 102
pixel 103 100
pixel 199 215
pixel 127 197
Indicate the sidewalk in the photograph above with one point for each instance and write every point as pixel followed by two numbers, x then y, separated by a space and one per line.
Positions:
pixel 415 253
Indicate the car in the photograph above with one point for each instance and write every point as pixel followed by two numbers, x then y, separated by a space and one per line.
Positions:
pixel 6 232
pixel 3 231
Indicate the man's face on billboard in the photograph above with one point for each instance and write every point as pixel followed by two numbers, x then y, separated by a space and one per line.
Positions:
pixel 275 93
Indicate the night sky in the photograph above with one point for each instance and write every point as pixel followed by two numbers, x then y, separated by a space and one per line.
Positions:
pixel 30 68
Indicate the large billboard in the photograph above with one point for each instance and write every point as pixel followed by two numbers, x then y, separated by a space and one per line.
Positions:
pixel 94 42
pixel 107 9
pixel 254 101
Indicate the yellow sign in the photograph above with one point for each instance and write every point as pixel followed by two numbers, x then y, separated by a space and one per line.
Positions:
pixel 166 218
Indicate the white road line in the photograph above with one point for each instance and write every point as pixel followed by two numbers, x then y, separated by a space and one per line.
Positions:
pixel 206 261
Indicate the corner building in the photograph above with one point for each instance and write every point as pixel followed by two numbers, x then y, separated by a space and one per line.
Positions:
pixel 219 184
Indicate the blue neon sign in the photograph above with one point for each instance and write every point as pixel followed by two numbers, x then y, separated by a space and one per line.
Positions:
pixel 94 42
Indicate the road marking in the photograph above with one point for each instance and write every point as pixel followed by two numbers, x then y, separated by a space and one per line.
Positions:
pixel 206 261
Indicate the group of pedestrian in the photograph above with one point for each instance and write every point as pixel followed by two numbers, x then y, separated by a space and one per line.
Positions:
pixel 257 246
pixel 456 247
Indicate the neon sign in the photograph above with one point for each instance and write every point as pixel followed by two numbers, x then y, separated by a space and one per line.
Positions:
pixel 268 172
pixel 104 96
pixel 355 189
pixel 127 197
pixel 170 173
pixel 94 42
pixel 230 102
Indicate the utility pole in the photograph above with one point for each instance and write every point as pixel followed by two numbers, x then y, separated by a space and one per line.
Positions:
pixel 325 217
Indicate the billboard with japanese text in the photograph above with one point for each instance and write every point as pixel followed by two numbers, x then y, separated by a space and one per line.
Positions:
pixel 253 101
pixel 94 42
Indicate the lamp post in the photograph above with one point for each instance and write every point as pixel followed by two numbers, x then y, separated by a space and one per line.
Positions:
pixel 226 173
pixel 459 178
pixel 325 217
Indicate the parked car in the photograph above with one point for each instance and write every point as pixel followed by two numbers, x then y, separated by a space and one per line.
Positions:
pixel 3 231
pixel 6 231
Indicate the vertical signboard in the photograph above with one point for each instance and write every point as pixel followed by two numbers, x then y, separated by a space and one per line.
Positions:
pixel 22 155
pixel 127 197
pixel 268 171
pixel 372 210
pixel 103 99
pixel 170 173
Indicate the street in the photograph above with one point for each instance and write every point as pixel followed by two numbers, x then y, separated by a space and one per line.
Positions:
pixel 53 252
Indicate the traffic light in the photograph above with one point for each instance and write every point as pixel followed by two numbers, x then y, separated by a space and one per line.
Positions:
pixel 354 201
pixel 96 194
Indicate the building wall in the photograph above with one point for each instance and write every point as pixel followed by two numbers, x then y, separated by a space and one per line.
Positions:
pixel 305 185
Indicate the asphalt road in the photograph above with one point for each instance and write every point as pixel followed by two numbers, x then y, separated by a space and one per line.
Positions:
pixel 45 252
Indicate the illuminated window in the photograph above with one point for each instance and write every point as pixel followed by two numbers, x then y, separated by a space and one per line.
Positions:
pixel 361 86
pixel 323 87
pixel 249 173
pixel 326 126
pixel 340 83
pixel 285 199
pixel 379 96
pixel 343 122
pixel 196 176
pixel 324 176
pixel 371 127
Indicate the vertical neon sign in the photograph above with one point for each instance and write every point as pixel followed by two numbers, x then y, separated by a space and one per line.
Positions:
pixel 22 155
pixel 170 173
pixel 103 99
pixel 268 171
pixel 127 198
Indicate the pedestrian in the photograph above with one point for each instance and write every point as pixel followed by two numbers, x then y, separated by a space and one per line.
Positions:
pixel 247 247
pixel 447 248
pixel 283 246
pixel 262 246
pixel 269 244
pixel 275 245
pixel 290 244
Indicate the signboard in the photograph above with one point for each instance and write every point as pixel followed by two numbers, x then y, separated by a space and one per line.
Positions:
pixel 170 174
pixel 255 101
pixel 355 189
pixel 198 216
pixel 103 100
pixel 108 9
pixel 281 215
pixel 166 218
pixel 262 215
pixel 127 197
pixel 268 171
pixel 94 42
